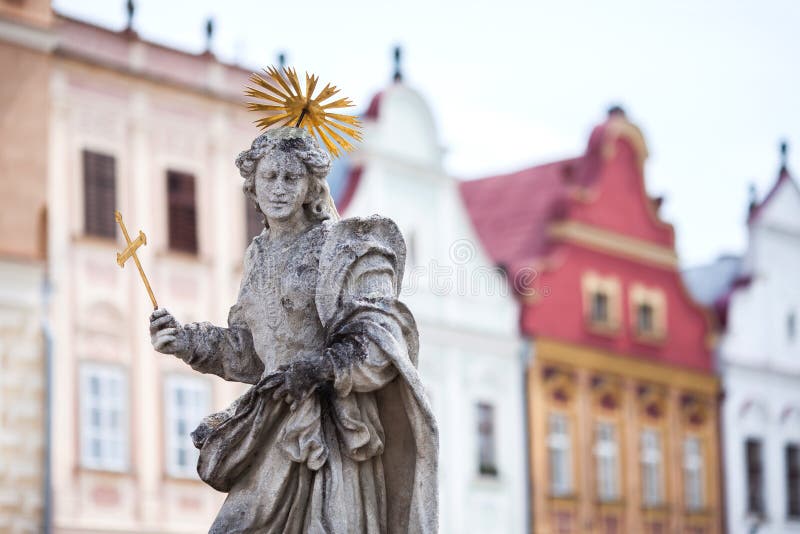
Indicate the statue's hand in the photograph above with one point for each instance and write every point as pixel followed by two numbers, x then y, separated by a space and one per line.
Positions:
pixel 297 381
pixel 166 333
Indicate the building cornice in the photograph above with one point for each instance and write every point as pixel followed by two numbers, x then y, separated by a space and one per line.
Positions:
pixel 768 370
pixel 27 36
pixel 126 71
pixel 548 349
pixel 614 243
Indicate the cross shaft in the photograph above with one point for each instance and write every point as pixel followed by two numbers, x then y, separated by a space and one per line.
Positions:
pixel 130 252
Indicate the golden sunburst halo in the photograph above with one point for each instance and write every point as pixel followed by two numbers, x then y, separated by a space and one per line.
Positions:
pixel 292 107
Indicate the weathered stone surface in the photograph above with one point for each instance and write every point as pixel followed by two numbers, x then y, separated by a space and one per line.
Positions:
pixel 336 435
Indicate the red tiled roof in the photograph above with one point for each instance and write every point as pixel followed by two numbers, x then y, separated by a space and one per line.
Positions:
pixel 511 213
pixel 373 111
pixel 351 185
pixel 722 303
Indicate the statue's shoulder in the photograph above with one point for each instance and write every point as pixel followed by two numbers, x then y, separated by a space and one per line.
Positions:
pixel 352 246
pixel 357 236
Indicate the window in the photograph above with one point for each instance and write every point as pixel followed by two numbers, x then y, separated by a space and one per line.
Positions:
pixel 648 307
pixel 601 301
pixel 755 477
pixel 104 417
pixel 651 459
pixel 693 472
pixel 182 212
pixel 254 220
pixel 606 451
pixel 644 319
pixel 560 451
pixel 599 307
pixel 99 194
pixel 793 481
pixel 187 402
pixel 487 463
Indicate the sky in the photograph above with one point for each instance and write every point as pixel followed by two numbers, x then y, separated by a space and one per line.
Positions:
pixel 714 85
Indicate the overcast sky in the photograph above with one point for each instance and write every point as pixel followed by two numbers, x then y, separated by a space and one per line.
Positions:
pixel 715 85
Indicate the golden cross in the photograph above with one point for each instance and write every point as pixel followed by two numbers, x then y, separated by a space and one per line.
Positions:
pixel 130 252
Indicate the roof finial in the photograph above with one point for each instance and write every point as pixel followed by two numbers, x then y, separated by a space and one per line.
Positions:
pixel 209 33
pixel 616 111
pixel 784 154
pixel 398 75
pixel 752 197
pixel 131 8
pixel 281 59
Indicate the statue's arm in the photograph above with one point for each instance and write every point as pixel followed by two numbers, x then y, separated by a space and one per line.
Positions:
pixel 225 352
pixel 358 363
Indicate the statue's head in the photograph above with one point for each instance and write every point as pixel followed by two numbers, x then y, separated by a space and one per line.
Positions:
pixel 284 171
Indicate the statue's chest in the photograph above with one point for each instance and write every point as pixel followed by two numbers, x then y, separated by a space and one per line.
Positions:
pixel 281 288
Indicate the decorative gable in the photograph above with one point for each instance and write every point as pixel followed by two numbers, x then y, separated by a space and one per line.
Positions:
pixel 605 263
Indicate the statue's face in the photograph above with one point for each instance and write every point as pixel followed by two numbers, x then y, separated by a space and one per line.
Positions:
pixel 281 185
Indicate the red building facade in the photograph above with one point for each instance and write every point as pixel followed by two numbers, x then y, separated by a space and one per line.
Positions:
pixel 622 395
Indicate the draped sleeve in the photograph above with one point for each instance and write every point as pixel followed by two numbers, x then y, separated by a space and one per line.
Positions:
pixel 380 406
pixel 225 352
pixel 362 366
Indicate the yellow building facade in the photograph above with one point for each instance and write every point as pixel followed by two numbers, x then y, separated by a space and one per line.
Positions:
pixel 621 483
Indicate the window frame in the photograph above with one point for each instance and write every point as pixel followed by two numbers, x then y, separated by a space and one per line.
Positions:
pixel 487 456
pixel 792 478
pixel 592 285
pixel 651 459
pixel 174 244
pixel 755 505
pixel 119 462
pixel 694 471
pixel 560 443
pixel 641 295
pixel 597 298
pixel 100 231
pixel 607 460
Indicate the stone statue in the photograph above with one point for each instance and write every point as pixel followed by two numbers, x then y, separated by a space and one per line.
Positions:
pixel 336 434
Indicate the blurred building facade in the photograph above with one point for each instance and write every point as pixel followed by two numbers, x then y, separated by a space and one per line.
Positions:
pixel 757 299
pixel 621 386
pixel 99 120
pixel 25 59
pixel 469 345
pixel 120 123
pixel 152 132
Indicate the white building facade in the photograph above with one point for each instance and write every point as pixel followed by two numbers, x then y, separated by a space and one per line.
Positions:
pixel 153 132
pixel 470 356
pixel 758 299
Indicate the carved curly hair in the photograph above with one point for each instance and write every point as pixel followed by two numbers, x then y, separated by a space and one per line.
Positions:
pixel 319 204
